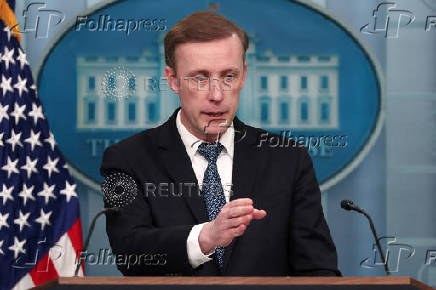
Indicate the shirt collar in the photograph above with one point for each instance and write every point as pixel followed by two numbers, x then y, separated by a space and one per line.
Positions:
pixel 191 142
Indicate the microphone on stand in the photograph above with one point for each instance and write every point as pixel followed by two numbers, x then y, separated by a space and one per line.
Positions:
pixel 349 205
pixel 119 190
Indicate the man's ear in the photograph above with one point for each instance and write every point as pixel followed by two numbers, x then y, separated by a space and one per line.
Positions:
pixel 171 76
pixel 244 75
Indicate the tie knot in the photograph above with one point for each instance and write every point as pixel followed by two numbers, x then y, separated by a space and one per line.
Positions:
pixel 210 151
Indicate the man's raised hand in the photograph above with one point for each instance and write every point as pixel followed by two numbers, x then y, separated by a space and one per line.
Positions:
pixel 231 222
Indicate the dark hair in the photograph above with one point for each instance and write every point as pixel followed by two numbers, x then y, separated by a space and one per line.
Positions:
pixel 201 26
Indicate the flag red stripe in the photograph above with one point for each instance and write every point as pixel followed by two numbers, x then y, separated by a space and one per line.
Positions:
pixel 75 235
pixel 44 271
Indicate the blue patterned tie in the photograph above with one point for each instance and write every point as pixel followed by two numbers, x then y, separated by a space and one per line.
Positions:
pixel 212 189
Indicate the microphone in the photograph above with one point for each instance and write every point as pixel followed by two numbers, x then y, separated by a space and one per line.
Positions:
pixel 349 205
pixel 119 190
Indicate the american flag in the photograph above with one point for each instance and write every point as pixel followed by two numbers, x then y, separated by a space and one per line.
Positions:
pixel 40 231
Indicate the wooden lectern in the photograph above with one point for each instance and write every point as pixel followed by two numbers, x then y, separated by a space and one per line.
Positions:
pixel 247 283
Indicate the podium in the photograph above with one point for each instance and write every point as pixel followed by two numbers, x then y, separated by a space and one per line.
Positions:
pixel 244 283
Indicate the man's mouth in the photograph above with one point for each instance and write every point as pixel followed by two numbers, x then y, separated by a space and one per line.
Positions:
pixel 214 114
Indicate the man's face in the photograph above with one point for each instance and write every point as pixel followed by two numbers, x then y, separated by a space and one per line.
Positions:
pixel 208 79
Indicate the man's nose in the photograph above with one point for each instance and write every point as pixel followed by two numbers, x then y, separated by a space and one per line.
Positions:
pixel 216 90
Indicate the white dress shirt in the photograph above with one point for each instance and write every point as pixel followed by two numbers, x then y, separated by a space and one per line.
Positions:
pixel 199 165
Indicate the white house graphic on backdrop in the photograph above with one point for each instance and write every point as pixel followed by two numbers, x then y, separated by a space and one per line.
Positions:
pixel 281 91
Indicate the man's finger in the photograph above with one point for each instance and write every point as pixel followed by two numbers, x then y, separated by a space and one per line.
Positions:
pixel 242 220
pixel 238 231
pixel 259 214
pixel 240 210
pixel 240 202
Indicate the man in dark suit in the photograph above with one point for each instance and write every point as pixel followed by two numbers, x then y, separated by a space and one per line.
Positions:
pixel 215 197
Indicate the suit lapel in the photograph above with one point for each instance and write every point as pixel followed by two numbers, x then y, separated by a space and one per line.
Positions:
pixel 178 166
pixel 246 161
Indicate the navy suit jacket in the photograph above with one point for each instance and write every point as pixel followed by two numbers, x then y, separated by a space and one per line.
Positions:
pixel 293 239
